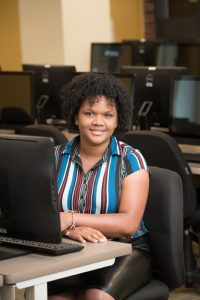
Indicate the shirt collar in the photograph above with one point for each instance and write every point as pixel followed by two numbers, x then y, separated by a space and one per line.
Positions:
pixel 72 148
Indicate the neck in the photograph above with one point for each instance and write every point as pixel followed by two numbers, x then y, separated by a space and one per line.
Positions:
pixel 92 150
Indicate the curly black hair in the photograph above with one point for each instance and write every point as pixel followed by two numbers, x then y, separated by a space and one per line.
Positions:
pixel 89 85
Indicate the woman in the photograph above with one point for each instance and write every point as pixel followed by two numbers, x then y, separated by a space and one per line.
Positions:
pixel 103 188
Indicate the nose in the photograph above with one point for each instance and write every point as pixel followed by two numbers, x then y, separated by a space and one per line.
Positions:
pixel 98 120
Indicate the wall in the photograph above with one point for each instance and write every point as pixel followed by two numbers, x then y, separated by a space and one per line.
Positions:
pixel 41 31
pixel 128 19
pixel 84 22
pixel 10 48
pixel 61 31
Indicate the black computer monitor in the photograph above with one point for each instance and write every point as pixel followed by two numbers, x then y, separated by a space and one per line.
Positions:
pixel 152 94
pixel 16 98
pixel 49 79
pixel 143 52
pixel 178 53
pixel 128 81
pixel 109 57
pixel 28 189
pixel 185 106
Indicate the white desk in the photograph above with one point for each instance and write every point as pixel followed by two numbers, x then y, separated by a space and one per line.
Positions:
pixel 34 271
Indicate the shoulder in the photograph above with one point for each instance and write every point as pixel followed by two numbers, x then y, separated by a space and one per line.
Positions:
pixel 132 158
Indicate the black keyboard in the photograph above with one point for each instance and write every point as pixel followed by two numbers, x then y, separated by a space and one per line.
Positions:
pixel 192 157
pixel 47 248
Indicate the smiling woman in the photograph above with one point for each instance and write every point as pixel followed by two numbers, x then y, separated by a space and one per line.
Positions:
pixel 103 187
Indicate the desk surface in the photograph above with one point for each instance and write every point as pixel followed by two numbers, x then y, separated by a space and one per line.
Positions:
pixel 34 265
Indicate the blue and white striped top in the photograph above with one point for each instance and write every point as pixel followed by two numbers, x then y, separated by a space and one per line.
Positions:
pixel 99 190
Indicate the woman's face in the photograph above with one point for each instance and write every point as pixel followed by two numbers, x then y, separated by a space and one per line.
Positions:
pixel 97 120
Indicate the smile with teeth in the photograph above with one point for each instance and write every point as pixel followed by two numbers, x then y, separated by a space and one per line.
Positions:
pixel 97 131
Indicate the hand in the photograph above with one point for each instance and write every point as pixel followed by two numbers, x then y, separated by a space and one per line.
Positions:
pixel 85 234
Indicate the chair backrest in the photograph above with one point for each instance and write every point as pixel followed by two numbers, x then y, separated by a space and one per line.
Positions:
pixel 164 219
pixel 45 130
pixel 15 115
pixel 162 150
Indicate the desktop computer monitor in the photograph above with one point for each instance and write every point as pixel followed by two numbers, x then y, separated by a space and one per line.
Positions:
pixel 178 53
pixel 152 94
pixel 16 97
pixel 143 52
pixel 49 79
pixel 28 188
pixel 185 106
pixel 128 81
pixel 109 57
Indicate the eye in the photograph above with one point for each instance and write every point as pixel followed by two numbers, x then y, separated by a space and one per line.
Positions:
pixel 108 115
pixel 89 113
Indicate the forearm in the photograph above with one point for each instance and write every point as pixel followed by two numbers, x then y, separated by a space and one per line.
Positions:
pixel 111 225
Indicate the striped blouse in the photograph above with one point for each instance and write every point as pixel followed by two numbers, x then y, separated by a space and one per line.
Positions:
pixel 99 190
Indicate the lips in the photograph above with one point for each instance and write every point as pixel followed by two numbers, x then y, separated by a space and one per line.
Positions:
pixel 97 131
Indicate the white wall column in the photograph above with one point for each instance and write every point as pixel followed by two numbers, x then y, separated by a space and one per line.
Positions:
pixel 84 22
pixel 41 31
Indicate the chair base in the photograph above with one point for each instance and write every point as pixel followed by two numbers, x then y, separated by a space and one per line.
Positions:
pixel 154 290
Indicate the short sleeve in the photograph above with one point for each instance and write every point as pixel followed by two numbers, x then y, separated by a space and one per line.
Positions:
pixel 132 161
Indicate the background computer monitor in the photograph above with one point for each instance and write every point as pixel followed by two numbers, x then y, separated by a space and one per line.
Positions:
pixel 128 81
pixel 16 98
pixel 152 94
pixel 108 57
pixel 178 53
pixel 48 80
pixel 185 106
pixel 143 52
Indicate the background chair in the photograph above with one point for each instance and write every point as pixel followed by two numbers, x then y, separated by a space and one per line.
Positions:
pixel 164 219
pixel 45 130
pixel 162 150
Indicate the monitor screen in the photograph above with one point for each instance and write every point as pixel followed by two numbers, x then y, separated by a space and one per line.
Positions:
pixel 16 97
pixel 185 106
pixel 49 79
pixel 179 54
pixel 28 188
pixel 152 94
pixel 108 57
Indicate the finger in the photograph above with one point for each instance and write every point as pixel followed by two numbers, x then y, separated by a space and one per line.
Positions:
pixel 99 237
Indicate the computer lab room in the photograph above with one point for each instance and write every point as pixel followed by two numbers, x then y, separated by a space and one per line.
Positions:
pixel 100 149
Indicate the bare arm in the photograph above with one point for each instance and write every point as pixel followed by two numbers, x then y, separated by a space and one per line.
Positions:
pixel 133 201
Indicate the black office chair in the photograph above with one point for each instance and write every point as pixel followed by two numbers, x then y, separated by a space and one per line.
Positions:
pixel 45 130
pixel 162 150
pixel 15 115
pixel 164 219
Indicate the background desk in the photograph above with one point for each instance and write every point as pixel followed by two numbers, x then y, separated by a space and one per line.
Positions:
pixel 195 168
pixel 33 271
